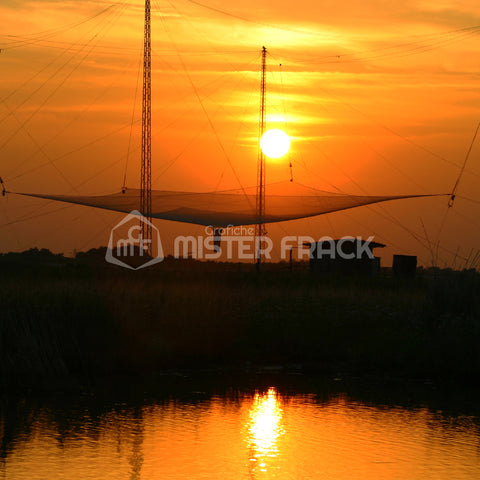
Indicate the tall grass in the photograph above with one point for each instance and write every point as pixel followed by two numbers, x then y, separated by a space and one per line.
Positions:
pixel 54 329
pixel 97 323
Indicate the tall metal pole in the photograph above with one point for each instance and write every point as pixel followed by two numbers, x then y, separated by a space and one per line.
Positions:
pixel 146 170
pixel 260 230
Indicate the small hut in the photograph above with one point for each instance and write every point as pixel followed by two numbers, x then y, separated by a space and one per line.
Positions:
pixel 346 256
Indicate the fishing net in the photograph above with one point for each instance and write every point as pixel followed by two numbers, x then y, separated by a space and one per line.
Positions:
pixel 223 208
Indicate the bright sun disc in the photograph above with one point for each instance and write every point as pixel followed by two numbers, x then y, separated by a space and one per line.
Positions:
pixel 275 143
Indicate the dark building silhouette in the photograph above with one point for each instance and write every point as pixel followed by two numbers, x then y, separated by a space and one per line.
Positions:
pixel 346 256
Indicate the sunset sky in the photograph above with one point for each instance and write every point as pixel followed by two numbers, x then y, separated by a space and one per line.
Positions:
pixel 378 98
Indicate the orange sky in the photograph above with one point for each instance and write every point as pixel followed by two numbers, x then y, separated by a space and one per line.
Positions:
pixel 379 98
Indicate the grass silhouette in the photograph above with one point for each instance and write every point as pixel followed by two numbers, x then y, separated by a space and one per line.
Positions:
pixel 76 325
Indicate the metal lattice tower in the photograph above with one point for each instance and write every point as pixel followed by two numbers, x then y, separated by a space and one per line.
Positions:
pixel 260 230
pixel 146 170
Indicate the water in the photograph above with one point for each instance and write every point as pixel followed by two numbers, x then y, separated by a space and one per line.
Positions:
pixel 242 433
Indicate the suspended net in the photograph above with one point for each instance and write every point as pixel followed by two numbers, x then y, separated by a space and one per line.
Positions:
pixel 223 208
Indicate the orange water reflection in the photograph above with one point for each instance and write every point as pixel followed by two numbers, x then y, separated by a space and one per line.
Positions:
pixel 237 436
pixel 264 430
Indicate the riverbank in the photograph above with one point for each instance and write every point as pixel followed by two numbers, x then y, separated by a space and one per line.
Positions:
pixel 77 325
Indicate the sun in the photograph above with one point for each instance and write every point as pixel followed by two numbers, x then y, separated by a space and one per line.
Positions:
pixel 275 143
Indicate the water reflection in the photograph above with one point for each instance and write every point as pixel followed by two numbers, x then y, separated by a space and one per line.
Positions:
pixel 264 429
pixel 237 435
pixel 136 458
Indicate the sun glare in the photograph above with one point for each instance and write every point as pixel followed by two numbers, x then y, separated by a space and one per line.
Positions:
pixel 275 143
pixel 265 422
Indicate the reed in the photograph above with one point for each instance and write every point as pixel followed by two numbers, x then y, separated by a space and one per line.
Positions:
pixel 83 324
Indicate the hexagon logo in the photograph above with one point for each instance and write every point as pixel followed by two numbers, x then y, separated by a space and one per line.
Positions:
pixel 127 248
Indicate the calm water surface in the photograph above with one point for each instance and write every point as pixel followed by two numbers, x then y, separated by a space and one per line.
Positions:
pixel 237 434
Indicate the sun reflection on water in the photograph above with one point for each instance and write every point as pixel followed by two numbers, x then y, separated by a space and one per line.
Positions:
pixel 264 429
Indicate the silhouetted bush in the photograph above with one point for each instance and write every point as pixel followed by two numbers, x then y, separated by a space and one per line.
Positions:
pixel 88 324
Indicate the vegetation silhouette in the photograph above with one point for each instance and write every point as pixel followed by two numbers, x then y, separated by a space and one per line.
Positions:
pixel 68 322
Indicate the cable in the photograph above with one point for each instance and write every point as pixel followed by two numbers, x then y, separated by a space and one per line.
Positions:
pixel 22 125
pixel 454 190
pixel 249 20
pixel 33 139
pixel 111 133
pixel 468 199
pixel 386 215
pixel 31 216
pixel 393 132
pixel 413 48
pixel 195 90
pixel 131 125
pixel 123 50
pixel 415 235
pixel 30 80
pixel 53 32
pixel 56 89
